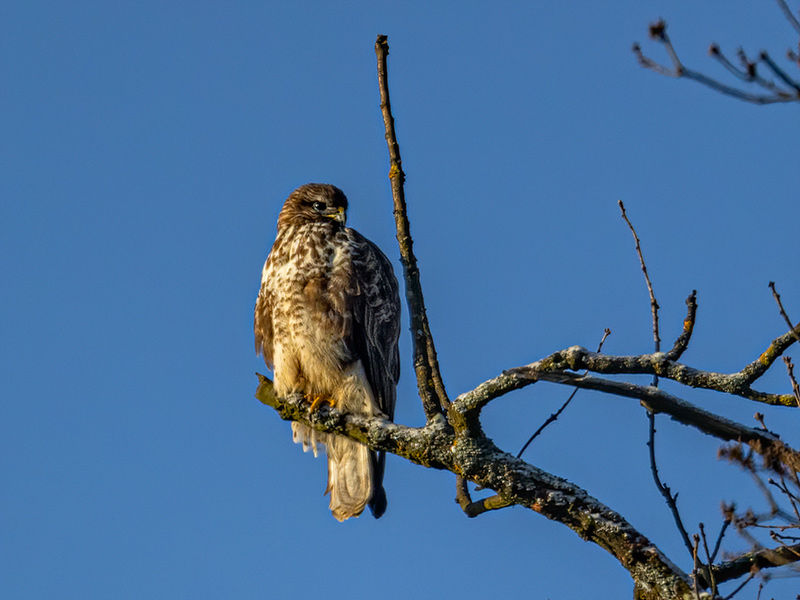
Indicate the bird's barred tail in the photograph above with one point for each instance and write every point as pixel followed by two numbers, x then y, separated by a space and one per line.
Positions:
pixel 349 477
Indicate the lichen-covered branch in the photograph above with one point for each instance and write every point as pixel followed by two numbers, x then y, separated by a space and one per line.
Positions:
pixel 577 358
pixel 480 461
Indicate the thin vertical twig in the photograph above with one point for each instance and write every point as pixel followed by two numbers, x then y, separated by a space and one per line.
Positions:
pixel 670 498
pixel 795 329
pixel 426 364
pixel 696 563
pixel 664 489
pixel 709 572
pixel 653 303
pixel 787 360
pixel 725 524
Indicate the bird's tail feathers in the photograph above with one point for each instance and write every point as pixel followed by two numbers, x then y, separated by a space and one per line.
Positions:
pixel 349 477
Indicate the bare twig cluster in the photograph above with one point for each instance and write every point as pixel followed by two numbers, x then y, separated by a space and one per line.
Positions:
pixel 772 84
pixel 773 534
pixel 453 438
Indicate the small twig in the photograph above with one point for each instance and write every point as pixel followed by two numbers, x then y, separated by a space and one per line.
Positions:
pixel 653 303
pixel 426 364
pixel 665 491
pixel 740 587
pixel 760 418
pixel 751 69
pixel 709 560
pixel 781 74
pixel 794 329
pixel 556 414
pixel 473 509
pixel 682 342
pixel 725 524
pixel 658 32
pixel 793 499
pixel 787 12
pixel 749 73
pixel 790 369
pixel 696 562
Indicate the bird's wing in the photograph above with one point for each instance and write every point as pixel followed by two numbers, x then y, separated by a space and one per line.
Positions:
pixel 375 309
pixel 262 322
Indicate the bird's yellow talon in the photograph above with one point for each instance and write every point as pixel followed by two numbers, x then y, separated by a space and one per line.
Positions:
pixel 316 400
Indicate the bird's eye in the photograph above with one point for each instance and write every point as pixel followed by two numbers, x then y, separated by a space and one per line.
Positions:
pixel 318 206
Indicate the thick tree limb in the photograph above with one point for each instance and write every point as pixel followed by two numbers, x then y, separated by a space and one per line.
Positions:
pixel 480 461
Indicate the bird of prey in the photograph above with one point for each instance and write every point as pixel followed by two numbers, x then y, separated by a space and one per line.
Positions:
pixel 327 320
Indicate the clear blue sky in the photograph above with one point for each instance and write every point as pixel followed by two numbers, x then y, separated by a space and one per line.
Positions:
pixel 146 150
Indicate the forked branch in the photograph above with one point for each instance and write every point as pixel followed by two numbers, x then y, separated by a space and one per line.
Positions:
pixel 787 90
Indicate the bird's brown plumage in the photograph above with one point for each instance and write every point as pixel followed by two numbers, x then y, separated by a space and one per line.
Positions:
pixel 327 320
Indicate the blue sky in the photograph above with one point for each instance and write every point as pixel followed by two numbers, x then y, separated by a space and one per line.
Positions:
pixel 146 150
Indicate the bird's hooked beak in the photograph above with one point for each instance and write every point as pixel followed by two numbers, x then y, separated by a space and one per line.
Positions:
pixel 337 214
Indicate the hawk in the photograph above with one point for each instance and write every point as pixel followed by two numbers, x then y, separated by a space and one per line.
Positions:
pixel 327 320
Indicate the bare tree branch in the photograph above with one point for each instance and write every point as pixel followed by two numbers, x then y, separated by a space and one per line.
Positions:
pixel 725 524
pixel 763 559
pixel 480 461
pixel 790 369
pixel 682 342
pixel 577 358
pixel 426 364
pixel 795 329
pixel 789 15
pixel 473 509
pixel 696 568
pixel 670 498
pixel 653 303
pixel 740 587
pixel 658 32
pixel 707 571
pixel 767 60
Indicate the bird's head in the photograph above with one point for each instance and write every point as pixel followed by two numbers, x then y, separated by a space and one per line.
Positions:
pixel 314 202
